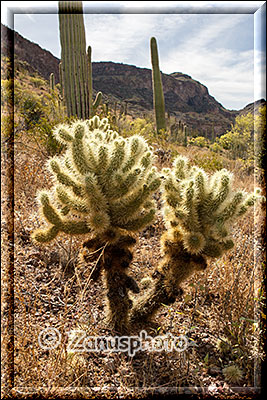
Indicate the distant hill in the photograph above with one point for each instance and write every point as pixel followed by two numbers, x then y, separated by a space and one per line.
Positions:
pixel 253 107
pixel 38 59
pixel 185 98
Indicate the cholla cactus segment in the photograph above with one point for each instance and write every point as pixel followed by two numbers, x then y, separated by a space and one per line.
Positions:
pixel 102 182
pixel 232 374
pixel 203 208
pixel 194 242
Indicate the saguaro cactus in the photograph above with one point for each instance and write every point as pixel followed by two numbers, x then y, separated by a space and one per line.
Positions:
pixel 185 136
pixel 75 72
pixel 158 96
pixel 199 211
pixel 52 82
pixel 103 186
pixel 92 105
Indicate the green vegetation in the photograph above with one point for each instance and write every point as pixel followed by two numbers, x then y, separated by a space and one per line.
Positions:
pixel 239 141
pixel 37 109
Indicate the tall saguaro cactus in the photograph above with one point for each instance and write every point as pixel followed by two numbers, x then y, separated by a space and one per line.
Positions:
pixel 158 96
pixel 74 59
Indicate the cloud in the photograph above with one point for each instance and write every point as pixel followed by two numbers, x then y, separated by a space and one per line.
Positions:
pixel 126 37
pixel 118 37
pixel 227 72
pixel 260 74
pixel 215 49
pixel 210 48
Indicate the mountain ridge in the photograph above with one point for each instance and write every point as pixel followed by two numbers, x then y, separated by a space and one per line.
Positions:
pixel 185 98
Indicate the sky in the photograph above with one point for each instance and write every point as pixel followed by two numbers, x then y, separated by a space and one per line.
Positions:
pixel 220 44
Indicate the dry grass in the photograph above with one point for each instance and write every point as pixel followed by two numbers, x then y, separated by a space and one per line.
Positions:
pixel 222 303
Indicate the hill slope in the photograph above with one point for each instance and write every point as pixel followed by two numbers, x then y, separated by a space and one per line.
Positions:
pixel 185 98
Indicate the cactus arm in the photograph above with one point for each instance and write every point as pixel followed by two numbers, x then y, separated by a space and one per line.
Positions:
pixel 64 178
pixel 78 151
pixel 61 80
pixel 102 158
pixel 90 80
pixel 92 105
pixel 52 82
pixel 72 202
pixel 117 158
pixel 136 150
pixel 75 227
pixel 97 102
pixel 137 224
pixel 94 193
pixel 45 236
pixel 122 211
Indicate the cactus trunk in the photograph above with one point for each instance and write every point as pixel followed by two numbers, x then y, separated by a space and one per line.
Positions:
pixel 176 266
pixel 74 71
pixel 185 136
pixel 158 96
pixel 114 261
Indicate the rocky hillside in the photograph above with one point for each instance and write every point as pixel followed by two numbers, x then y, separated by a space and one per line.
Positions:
pixel 38 59
pixel 253 107
pixel 186 99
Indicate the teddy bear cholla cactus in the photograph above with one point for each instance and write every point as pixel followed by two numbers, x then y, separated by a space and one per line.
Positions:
pixel 103 185
pixel 199 211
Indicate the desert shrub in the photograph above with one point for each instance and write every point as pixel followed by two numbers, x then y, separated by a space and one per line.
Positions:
pixel 37 81
pixel 142 127
pixel 31 109
pixel 260 138
pixel 199 141
pixel 209 162
pixel 36 114
pixel 6 90
pixel 215 147
pixel 239 140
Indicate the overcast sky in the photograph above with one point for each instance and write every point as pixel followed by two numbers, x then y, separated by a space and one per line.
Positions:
pixel 220 44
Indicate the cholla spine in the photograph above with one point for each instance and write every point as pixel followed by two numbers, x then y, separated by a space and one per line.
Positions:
pixel 102 182
pixel 201 209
